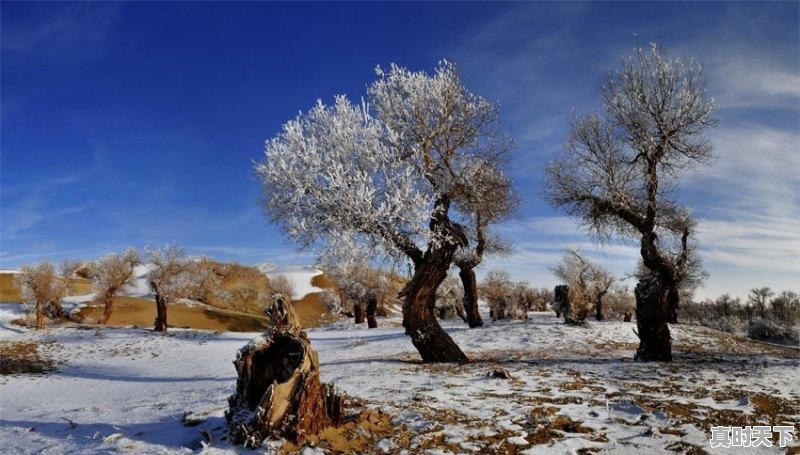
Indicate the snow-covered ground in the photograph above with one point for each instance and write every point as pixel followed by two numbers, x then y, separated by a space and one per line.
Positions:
pixel 300 276
pixel 571 388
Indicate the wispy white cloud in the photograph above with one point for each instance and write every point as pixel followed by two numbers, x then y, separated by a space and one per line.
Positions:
pixel 756 84
pixel 68 34
pixel 29 205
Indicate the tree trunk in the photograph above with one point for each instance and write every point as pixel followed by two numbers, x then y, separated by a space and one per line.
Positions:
pixel 470 284
pixel 161 314
pixel 39 316
pixel 673 299
pixel 561 297
pixel 358 311
pixel 655 343
pixel 108 302
pixel 598 305
pixel 372 305
pixel 278 390
pixel 419 319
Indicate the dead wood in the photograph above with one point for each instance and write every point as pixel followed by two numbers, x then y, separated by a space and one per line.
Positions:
pixel 278 391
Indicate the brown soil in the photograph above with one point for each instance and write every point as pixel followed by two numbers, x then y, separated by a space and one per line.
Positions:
pixel 22 358
pixel 142 313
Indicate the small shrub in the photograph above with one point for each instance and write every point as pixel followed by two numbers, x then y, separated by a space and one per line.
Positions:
pixel 769 331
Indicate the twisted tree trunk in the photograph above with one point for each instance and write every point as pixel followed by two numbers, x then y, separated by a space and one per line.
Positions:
pixel 652 305
pixel 655 343
pixel 470 284
pixel 419 319
pixel 278 391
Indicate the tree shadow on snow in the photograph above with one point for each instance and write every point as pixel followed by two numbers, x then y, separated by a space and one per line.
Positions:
pixel 168 432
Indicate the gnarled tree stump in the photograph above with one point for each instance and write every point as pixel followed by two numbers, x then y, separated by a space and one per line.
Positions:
pixel 278 391
pixel 562 303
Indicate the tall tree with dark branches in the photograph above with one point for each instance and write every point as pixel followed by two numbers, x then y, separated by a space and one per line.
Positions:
pixel 619 171
pixel 397 175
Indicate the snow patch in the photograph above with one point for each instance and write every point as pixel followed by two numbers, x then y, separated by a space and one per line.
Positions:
pixel 300 277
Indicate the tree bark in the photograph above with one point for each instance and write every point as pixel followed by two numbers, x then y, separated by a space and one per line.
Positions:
pixel 470 284
pixel 161 314
pixel 419 319
pixel 598 305
pixel 561 296
pixel 278 389
pixel 655 343
pixel 358 311
pixel 673 300
pixel 372 305
pixel 652 305
pixel 108 302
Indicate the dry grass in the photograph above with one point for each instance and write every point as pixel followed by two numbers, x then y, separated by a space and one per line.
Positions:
pixel 22 358
pixel 359 434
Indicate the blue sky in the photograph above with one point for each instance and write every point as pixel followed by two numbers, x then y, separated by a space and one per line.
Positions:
pixel 137 123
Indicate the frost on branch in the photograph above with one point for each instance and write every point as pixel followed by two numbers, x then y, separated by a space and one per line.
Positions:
pixel 619 174
pixel 400 174
pixel 41 289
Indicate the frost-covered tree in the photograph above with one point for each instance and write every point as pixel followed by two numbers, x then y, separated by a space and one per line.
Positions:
pixel 449 299
pixel 396 174
pixel 109 274
pixel 620 168
pixel 41 289
pixel 172 277
pixel 588 284
pixel 70 267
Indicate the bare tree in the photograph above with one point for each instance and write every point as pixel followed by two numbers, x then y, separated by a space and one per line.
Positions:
pixel 506 298
pixel 496 201
pixel 619 172
pixel 619 304
pixel 759 298
pixel 786 308
pixel 109 274
pixel 70 267
pixel 172 277
pixel 393 175
pixel 281 284
pixel 41 288
pixel 588 285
